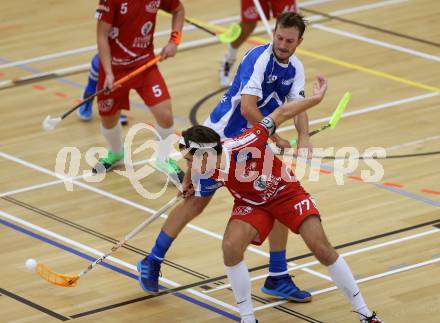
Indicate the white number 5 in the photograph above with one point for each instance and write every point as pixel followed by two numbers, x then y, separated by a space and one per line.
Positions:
pixel 156 90
pixel 124 8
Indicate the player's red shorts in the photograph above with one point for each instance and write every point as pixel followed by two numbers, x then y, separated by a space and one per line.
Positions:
pixel 290 210
pixel 150 86
pixel 250 14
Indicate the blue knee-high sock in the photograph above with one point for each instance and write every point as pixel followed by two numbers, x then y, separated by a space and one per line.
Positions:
pixel 93 77
pixel 277 263
pixel 163 242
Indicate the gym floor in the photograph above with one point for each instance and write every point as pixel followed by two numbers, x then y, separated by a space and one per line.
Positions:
pixel 386 53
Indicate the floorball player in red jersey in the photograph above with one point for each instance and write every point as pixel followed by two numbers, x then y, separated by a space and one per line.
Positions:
pixel 264 189
pixel 249 20
pixel 125 41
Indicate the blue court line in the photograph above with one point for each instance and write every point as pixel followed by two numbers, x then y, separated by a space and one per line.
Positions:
pixel 35 71
pixel 413 196
pixel 114 268
pixel 409 194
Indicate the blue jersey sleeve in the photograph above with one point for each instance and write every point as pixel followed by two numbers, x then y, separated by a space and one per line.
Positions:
pixel 297 90
pixel 252 70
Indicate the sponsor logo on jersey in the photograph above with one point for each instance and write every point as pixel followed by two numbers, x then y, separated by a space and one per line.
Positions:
pixel 251 13
pixel 144 40
pixel 242 210
pixel 260 183
pixel 146 28
pixel 287 82
pixel 153 6
pixel 271 188
pixel 268 186
pixel 105 105
pixel 272 79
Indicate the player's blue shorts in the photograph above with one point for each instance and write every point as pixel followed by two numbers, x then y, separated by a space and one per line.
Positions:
pixel 205 186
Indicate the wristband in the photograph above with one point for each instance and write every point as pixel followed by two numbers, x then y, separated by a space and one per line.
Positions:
pixel 175 37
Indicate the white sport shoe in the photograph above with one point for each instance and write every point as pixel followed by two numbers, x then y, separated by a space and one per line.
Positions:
pixel 225 72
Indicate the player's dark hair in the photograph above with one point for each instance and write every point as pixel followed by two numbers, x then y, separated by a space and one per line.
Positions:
pixel 200 134
pixel 292 19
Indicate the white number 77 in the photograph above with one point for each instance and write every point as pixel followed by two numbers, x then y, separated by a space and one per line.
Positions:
pixel 299 206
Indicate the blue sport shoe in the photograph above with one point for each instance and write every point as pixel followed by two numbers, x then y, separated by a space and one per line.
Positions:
pixel 149 271
pixel 85 110
pixel 284 287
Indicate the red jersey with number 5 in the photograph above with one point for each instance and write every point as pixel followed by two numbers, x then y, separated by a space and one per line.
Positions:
pixel 253 174
pixel 133 23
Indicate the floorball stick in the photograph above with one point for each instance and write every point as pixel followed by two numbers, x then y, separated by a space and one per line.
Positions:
pixel 50 123
pixel 70 281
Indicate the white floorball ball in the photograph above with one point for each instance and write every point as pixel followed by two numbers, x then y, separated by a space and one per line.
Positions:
pixel 31 264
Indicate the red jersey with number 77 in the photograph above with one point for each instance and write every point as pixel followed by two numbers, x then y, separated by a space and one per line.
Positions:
pixel 133 23
pixel 253 174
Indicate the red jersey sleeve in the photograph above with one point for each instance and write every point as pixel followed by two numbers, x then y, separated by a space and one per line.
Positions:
pixel 262 133
pixel 169 5
pixel 257 136
pixel 106 11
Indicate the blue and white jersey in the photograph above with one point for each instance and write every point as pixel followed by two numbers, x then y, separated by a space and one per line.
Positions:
pixel 259 74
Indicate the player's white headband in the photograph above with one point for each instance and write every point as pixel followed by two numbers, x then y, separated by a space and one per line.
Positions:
pixel 194 145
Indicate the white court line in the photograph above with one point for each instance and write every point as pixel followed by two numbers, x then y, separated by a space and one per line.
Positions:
pixel 313 3
pixel 377 42
pixel 412 143
pixel 283 129
pixel 197 293
pixel 207 41
pixel 110 258
pixel 79 51
pixel 345 254
pixel 138 206
pixel 384 274
pixel 49 56
pixel 69 179
pixel 341 12
pixel 33 187
pixel 365 7
pixel 369 109
pixel 191 226
pixel 363 38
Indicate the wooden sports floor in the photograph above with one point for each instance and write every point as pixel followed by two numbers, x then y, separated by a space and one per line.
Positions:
pixel 386 53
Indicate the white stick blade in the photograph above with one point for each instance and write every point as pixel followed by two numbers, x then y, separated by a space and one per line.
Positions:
pixel 50 123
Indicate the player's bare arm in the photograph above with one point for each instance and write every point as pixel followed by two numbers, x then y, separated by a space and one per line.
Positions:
pixel 170 49
pixel 249 108
pixel 103 30
pixel 304 145
pixel 291 109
